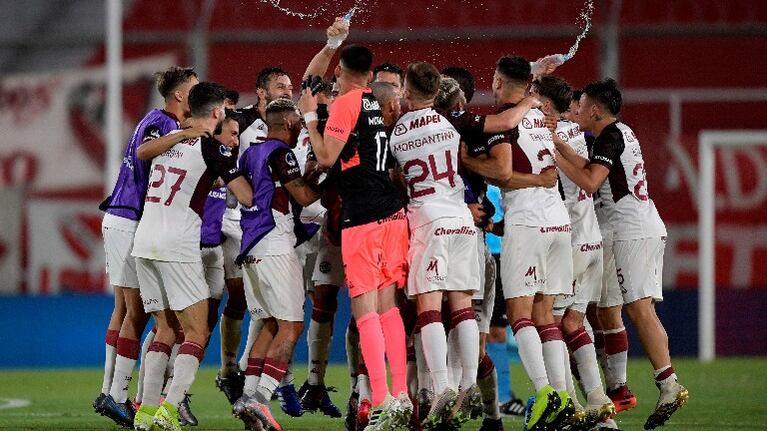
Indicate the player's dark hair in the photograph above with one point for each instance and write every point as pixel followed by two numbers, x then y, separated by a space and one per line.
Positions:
pixel 267 74
pixel 423 80
pixel 391 68
pixel 204 97
pixel 556 89
pixel 233 95
pixel 357 58
pixel 171 78
pixel 514 68
pixel 577 95
pixel 605 93
pixel 327 87
pixel 465 80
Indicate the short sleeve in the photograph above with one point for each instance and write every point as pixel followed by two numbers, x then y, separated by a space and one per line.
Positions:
pixel 607 148
pixel 343 116
pixel 284 165
pixel 152 131
pixel 220 159
pixel 467 123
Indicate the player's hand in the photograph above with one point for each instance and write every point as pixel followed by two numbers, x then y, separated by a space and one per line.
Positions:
pixel 546 65
pixel 550 120
pixel 549 177
pixel 339 28
pixel 193 132
pixel 307 103
pixel 531 102
pixel 218 183
pixel 477 213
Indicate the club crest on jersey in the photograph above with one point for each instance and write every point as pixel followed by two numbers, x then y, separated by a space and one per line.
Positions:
pixel 563 136
pixel 290 159
pixel 527 124
pixel 370 105
pixel 224 150
pixel 400 130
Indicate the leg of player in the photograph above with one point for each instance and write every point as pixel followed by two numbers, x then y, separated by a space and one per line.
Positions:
pixel 318 338
pixel 396 349
pixel 463 323
pixel 113 332
pixel 598 406
pixel 231 334
pixel 194 321
pixel 156 362
pixel 256 358
pixel 655 341
pixel 353 359
pixel 434 346
pixel 148 340
pixel 554 355
pixel 128 344
pixel 520 309
pixel 616 345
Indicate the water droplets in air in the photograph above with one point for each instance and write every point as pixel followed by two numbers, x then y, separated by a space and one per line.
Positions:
pixel 585 20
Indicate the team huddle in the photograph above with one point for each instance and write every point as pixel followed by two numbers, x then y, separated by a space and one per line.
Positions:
pixel 377 183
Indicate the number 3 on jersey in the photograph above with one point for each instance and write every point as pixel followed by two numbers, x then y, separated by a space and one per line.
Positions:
pixel 426 169
pixel 181 174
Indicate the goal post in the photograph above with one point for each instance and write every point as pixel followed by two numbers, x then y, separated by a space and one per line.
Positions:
pixel 708 142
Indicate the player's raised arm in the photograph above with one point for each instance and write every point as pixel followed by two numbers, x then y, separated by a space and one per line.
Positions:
pixel 510 118
pixel 321 61
pixel 326 148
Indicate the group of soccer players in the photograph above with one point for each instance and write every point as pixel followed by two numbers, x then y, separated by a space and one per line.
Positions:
pixel 376 181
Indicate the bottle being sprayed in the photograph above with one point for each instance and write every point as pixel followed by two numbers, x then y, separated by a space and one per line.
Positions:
pixel 553 60
pixel 336 41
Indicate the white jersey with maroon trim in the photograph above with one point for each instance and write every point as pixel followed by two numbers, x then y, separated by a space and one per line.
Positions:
pixel 633 215
pixel 532 151
pixel 426 146
pixel 179 182
pixel 580 205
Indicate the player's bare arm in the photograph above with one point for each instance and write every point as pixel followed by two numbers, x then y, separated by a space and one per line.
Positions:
pixel 589 177
pixel 151 149
pixel 518 180
pixel 510 118
pixel 496 166
pixel 321 61
pixel 301 192
pixel 241 189
pixel 326 149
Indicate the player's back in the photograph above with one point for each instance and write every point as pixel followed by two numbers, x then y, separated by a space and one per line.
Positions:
pixel 633 215
pixel 426 146
pixel 178 187
pixel 580 205
pixel 367 192
pixel 533 152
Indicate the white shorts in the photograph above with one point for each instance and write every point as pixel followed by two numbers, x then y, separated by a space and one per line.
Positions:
pixel 274 287
pixel 307 255
pixel 611 295
pixel 639 268
pixel 213 262
pixel 443 256
pixel 484 299
pixel 329 266
pixel 170 285
pixel 231 247
pixel 536 260
pixel 121 266
pixel 587 279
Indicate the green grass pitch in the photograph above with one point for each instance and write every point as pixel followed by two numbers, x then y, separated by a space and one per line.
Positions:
pixel 728 394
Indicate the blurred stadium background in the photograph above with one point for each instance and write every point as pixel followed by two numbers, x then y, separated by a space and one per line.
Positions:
pixel 685 66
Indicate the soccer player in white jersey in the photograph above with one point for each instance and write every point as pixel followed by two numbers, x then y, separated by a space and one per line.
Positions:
pixel 570 310
pixel 167 251
pixel 123 209
pixel 443 253
pixel 536 258
pixel 640 234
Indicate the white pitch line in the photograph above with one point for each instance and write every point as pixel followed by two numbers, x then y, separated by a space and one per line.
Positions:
pixel 13 403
